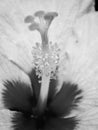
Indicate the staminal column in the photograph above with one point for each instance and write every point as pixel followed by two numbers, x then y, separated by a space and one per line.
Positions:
pixel 42 55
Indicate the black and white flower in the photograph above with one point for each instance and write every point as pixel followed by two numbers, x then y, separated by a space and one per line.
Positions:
pixel 48 65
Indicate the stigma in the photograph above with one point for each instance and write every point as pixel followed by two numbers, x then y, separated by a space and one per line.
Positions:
pixel 41 22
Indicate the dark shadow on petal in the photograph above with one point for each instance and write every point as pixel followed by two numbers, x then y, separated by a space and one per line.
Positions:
pixel 60 124
pixel 22 98
pixel 66 99
pixel 96 5
pixel 35 85
pixel 23 122
pixel 17 96
pixel 52 89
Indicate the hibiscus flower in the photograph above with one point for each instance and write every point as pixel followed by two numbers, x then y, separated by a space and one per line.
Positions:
pixel 48 64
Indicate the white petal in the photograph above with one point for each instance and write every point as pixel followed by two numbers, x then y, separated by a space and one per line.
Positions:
pixel 81 67
pixel 16 40
pixel 8 71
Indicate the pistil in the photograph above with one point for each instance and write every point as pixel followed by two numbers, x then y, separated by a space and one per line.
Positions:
pixel 43 59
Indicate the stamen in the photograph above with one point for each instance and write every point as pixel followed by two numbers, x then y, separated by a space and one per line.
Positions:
pixel 49 59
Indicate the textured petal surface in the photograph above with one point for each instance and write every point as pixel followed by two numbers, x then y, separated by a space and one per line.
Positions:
pixel 16 40
pixel 81 66
pixel 23 123
pixel 60 124
pixel 10 72
pixel 66 100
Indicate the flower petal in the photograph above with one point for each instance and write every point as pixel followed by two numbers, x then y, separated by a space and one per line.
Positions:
pixel 17 96
pixel 23 122
pixel 66 100
pixel 9 72
pixel 60 124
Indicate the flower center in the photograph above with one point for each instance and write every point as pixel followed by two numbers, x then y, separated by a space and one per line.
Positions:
pixel 46 54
